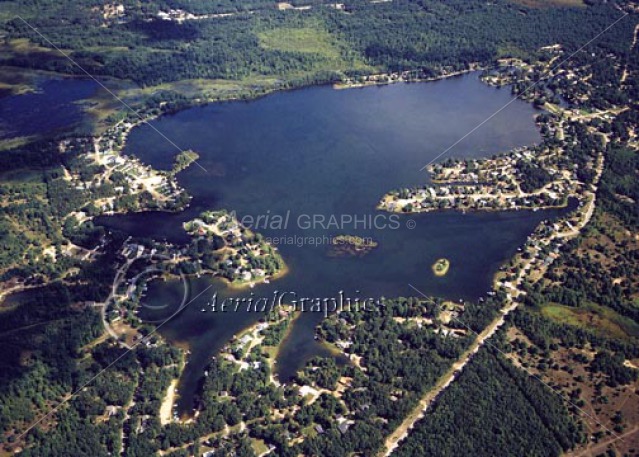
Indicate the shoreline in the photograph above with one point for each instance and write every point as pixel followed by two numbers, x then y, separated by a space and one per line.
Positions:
pixel 232 285
pixel 373 83
pixel 143 118
pixel 278 349
pixel 440 267
pixel 272 359
pixel 379 207
pixel 126 127
pixel 243 285
pixel 167 403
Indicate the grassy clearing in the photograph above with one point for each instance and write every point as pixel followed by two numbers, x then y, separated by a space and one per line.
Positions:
pixel 210 89
pixel 259 447
pixel 593 317
pixel 510 50
pixel 106 48
pixel 188 87
pixel 549 3
pixel 24 47
pixel 554 109
pixel 271 351
pixel 309 40
pixel 312 39
pixel 309 431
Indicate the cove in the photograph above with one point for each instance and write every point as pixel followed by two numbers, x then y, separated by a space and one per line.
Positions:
pixel 324 152
pixel 53 106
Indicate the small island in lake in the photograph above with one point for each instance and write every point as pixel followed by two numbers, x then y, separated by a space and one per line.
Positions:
pixel 183 160
pixel 441 266
pixel 343 245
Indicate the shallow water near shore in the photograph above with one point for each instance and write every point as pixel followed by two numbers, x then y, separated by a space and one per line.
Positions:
pixel 53 106
pixel 314 153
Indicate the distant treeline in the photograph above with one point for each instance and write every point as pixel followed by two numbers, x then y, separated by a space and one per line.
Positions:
pixel 403 34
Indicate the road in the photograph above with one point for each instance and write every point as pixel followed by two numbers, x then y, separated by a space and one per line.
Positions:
pixel 601 447
pixel 120 275
pixel 392 442
pixel 624 76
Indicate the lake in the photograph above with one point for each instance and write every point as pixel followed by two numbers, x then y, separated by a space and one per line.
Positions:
pixel 315 153
pixel 54 105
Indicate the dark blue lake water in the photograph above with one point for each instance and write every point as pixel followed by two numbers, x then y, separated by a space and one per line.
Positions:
pixel 53 106
pixel 324 152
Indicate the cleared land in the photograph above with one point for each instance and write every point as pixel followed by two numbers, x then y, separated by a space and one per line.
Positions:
pixel 549 3
pixel 302 39
pixel 593 317
pixel 311 40
pixel 610 414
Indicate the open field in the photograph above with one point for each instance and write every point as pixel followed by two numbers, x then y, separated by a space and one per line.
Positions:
pixel 593 317
pixel 187 87
pixel 259 447
pixel 24 48
pixel 303 39
pixel 312 39
pixel 549 3
pixel 610 415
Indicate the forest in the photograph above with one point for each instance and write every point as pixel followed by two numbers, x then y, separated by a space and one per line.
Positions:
pixel 49 342
pixel 493 409
pixel 150 51
pixel 577 278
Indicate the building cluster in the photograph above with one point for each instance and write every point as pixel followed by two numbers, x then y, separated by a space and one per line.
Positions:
pixel 180 16
pixel 111 12
pixel 475 185
pixel 419 75
pixel 542 248
pixel 243 251
pixel 127 175
pixel 508 181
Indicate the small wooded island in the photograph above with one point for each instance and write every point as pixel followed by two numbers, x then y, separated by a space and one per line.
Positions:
pixel 183 160
pixel 87 368
pixel 441 266
pixel 343 245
